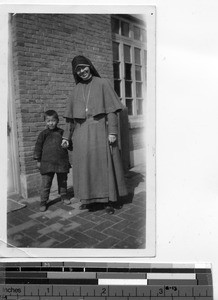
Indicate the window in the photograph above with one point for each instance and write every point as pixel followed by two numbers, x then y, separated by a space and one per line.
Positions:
pixel 125 29
pixel 138 81
pixel 115 25
pixel 129 62
pixel 137 33
pixel 116 68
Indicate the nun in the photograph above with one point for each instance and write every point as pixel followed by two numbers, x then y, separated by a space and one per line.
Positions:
pixel 92 124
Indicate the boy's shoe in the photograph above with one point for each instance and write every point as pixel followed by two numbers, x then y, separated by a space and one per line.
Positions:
pixel 84 206
pixel 43 207
pixel 66 201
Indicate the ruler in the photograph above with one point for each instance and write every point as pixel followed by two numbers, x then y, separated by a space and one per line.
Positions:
pixel 104 281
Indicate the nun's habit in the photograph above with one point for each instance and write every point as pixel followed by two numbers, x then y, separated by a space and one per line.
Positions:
pixel 97 168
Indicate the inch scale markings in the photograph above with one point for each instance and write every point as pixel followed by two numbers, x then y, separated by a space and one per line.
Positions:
pixel 104 281
pixel 107 293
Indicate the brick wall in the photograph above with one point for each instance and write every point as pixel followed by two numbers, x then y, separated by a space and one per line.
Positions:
pixel 43 48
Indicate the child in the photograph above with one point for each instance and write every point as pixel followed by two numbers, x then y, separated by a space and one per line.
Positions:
pixel 52 158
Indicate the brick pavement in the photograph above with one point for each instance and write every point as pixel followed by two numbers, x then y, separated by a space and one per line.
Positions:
pixel 63 226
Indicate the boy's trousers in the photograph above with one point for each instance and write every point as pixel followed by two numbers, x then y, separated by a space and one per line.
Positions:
pixel 47 182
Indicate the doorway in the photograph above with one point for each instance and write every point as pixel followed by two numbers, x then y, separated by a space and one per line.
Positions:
pixel 13 172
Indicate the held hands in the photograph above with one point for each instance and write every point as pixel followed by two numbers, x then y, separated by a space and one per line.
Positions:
pixel 38 164
pixel 112 138
pixel 64 144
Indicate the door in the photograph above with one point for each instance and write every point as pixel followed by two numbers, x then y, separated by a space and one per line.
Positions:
pixel 10 177
pixel 13 172
pixel 13 184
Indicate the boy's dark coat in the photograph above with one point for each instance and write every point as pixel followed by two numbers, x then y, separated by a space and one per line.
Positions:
pixel 49 152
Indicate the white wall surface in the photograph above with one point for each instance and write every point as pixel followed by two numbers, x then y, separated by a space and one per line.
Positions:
pixel 187 132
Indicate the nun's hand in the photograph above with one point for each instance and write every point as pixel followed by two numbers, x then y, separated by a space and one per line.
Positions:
pixel 112 138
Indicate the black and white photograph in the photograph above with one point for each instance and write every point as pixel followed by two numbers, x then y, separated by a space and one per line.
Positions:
pixel 81 132
pixel 110 116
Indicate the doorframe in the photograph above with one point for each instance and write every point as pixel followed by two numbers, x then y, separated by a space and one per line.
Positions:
pixel 12 116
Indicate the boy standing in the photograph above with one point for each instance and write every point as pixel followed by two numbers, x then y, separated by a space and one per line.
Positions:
pixel 52 158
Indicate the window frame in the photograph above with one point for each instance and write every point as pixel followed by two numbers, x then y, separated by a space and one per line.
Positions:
pixel 133 43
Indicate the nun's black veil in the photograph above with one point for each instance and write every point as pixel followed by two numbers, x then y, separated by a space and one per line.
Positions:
pixel 82 60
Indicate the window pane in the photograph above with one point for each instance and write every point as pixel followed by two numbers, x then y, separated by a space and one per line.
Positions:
pixel 115 25
pixel 138 73
pixel 138 90
pixel 145 55
pixel 128 88
pixel 116 51
pixel 117 87
pixel 139 107
pixel 116 70
pixel 129 106
pixel 127 57
pixel 128 71
pixel 125 29
pixel 137 33
pixel 143 35
pixel 137 56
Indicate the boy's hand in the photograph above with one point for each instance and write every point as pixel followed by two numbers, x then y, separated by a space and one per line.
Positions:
pixel 112 138
pixel 64 144
pixel 38 164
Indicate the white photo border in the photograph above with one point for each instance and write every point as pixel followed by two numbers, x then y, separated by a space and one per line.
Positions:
pixel 150 125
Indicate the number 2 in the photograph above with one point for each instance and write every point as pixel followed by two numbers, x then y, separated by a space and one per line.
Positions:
pixel 103 291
